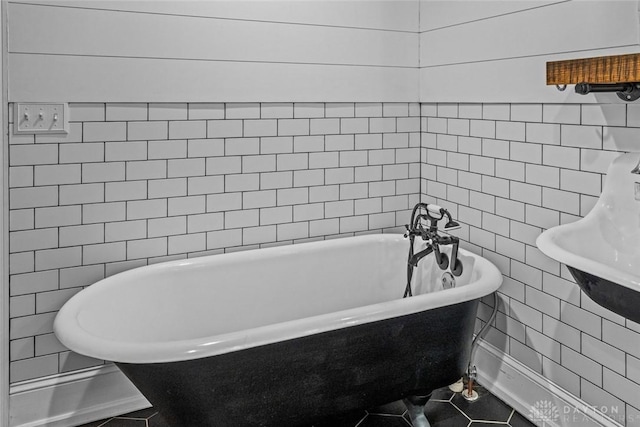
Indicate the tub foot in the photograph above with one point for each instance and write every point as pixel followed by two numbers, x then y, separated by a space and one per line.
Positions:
pixel 457 387
pixel 415 408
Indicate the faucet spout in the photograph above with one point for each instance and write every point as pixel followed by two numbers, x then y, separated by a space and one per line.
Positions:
pixel 415 258
pixel 636 170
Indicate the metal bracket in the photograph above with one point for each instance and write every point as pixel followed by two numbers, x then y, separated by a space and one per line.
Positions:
pixel 632 94
pixel 626 91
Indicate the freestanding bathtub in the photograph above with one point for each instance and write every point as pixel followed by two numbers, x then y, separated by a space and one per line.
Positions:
pixel 282 336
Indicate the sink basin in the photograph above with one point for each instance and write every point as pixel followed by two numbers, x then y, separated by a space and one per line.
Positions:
pixel 602 250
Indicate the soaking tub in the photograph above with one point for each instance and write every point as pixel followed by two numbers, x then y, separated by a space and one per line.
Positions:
pixel 282 336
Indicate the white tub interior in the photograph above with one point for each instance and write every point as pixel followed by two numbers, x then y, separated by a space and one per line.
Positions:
pixel 234 292
pixel 246 298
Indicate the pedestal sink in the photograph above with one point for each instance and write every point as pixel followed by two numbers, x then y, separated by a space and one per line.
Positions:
pixel 602 250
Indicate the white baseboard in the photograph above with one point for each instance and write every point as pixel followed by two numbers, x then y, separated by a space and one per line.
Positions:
pixel 73 399
pixel 522 388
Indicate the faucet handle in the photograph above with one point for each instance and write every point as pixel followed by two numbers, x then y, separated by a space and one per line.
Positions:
pixel 410 232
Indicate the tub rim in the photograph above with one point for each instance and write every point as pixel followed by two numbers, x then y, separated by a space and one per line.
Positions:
pixel 79 340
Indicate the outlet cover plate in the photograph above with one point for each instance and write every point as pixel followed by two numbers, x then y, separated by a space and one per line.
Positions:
pixel 41 118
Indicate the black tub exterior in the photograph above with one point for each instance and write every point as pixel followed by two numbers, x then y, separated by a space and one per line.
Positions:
pixel 298 382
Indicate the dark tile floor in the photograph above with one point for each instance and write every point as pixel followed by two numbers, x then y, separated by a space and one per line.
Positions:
pixel 444 409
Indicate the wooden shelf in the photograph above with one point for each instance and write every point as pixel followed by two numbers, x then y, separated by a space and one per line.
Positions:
pixel 603 69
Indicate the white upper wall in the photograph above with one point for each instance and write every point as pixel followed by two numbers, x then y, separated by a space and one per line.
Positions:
pixel 213 50
pixel 307 50
pixel 436 14
pixel 496 51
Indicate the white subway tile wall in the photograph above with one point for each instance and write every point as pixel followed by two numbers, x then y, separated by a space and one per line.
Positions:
pixel 520 169
pixel 136 184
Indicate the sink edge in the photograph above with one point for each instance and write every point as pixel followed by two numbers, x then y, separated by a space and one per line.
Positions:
pixel 591 266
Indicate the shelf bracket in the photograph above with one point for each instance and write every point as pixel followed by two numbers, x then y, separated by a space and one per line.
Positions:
pixel 629 91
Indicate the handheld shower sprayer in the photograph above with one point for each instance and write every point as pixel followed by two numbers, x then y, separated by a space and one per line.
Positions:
pixel 451 224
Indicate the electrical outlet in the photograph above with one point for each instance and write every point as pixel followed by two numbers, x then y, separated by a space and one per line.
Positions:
pixel 41 118
pixel 637 190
